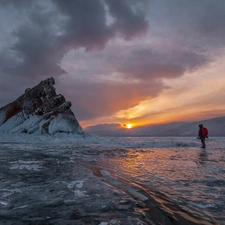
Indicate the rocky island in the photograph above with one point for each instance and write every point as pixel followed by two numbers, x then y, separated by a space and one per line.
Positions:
pixel 39 110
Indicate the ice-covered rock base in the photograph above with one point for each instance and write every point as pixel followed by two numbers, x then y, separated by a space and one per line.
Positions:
pixel 39 110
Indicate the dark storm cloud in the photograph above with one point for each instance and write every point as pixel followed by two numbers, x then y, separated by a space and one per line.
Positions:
pixel 43 42
pixel 86 24
pixel 45 39
pixel 37 50
pixel 127 21
pixel 211 24
pixel 198 23
pixel 16 3
pixel 194 32
pixel 147 64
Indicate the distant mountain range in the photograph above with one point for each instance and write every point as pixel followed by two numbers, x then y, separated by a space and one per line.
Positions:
pixel 216 127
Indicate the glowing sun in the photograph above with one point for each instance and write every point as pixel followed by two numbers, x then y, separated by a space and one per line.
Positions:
pixel 129 126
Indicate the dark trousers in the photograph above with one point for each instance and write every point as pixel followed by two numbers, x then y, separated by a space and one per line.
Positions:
pixel 203 142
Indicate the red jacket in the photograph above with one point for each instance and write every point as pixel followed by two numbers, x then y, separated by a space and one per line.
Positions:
pixel 203 132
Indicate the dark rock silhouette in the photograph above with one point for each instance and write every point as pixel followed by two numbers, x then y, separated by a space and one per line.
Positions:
pixel 39 110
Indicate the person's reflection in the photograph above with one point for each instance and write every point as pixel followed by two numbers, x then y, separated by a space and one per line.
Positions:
pixel 203 156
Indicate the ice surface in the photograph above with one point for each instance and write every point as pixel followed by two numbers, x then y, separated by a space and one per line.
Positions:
pixel 28 165
pixel 61 123
pixel 130 175
pixel 77 183
pixel 11 123
pixel 91 139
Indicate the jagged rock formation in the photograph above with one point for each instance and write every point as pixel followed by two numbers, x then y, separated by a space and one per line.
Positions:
pixel 39 110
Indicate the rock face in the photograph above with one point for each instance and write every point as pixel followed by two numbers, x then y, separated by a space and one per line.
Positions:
pixel 39 110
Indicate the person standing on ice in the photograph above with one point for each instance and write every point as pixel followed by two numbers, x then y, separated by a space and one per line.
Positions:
pixel 202 134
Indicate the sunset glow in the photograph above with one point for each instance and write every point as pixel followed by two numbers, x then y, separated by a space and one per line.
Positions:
pixel 122 68
pixel 129 126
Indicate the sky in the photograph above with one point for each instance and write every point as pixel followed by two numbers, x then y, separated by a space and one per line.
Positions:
pixel 127 61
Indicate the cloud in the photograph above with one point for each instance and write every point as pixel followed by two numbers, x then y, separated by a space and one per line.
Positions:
pixel 19 4
pixel 34 52
pixel 129 21
pixel 114 66
pixel 197 25
pixel 46 38
pixel 147 64
pixel 97 99
pixel 38 57
pixel 86 22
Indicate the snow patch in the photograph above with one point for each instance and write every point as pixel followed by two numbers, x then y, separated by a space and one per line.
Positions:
pixel 13 122
pixel 60 123
pixel 28 126
pixel 77 183
pixel 79 193
pixel 28 165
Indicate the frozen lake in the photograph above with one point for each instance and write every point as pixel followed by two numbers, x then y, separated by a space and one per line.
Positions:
pixel 92 180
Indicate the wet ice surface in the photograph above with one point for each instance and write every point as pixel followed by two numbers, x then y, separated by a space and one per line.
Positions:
pixel 46 185
pixel 113 181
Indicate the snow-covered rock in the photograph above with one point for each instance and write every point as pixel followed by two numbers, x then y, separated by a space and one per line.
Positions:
pixel 39 110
